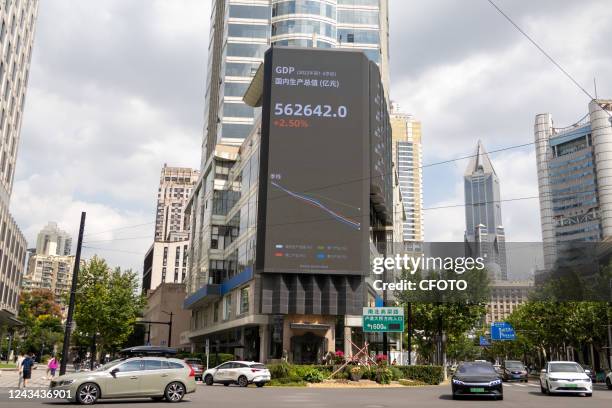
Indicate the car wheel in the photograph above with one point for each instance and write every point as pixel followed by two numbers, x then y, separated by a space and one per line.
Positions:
pixel 175 391
pixel 500 398
pixel 542 388
pixel 259 385
pixel 88 393
pixel 609 383
pixel 209 380
pixel 455 397
pixel 590 394
pixel 243 381
pixel 157 399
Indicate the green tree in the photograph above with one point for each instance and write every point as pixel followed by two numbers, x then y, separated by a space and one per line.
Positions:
pixel 454 313
pixel 107 304
pixel 42 320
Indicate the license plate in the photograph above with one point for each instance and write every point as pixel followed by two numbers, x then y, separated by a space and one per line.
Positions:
pixel 477 390
pixel 572 385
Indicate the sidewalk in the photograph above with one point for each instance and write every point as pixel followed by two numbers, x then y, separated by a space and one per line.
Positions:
pixel 9 379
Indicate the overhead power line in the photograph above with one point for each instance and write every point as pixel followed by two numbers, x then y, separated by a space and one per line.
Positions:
pixel 119 229
pixel 546 54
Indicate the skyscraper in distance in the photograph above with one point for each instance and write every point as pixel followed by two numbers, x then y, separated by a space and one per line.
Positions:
pixel 175 185
pixel 408 160
pixel 242 31
pixel 51 240
pixel 484 231
pixel 17 25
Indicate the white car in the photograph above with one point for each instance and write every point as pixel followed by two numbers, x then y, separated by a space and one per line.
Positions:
pixel 609 380
pixel 242 373
pixel 565 377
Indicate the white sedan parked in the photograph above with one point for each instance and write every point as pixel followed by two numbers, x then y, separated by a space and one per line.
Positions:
pixel 242 373
pixel 565 377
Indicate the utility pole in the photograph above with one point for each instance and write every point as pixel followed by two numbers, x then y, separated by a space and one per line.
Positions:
pixel 409 333
pixel 73 288
pixel 170 330
pixel 610 323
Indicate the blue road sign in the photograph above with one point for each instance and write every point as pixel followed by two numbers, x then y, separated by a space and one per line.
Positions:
pixel 484 341
pixel 502 331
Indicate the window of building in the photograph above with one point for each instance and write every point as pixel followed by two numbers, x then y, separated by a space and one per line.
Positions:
pixel 227 307
pixel 216 312
pixel 244 300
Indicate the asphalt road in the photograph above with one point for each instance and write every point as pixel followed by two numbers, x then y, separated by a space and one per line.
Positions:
pixel 515 395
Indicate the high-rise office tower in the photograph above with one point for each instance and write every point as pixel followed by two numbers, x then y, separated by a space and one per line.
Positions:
pixel 53 241
pixel 17 24
pixel 484 231
pixel 175 186
pixel 166 259
pixel 575 179
pixel 241 31
pixel 407 161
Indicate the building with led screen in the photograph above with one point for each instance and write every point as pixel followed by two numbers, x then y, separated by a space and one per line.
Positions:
pixel 241 31
pixel 297 211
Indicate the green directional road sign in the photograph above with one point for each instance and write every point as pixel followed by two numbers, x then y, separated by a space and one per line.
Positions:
pixel 383 319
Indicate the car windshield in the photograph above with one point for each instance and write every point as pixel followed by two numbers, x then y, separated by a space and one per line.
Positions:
pixel 476 369
pixel 565 368
pixel 108 365
pixel 514 364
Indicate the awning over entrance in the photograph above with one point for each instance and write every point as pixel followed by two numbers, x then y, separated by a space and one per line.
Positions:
pixel 309 326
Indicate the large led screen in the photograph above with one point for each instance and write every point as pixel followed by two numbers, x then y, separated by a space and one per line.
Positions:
pixel 315 175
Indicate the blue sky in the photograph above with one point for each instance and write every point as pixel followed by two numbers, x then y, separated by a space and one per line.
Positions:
pixel 116 90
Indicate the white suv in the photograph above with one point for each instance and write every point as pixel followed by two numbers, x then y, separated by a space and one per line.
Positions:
pixel 242 373
pixel 565 377
pixel 609 380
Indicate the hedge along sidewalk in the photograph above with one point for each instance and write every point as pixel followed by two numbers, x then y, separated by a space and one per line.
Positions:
pixel 362 384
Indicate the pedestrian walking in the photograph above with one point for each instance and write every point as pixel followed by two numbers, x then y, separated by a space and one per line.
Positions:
pixel 27 364
pixel 20 359
pixel 52 366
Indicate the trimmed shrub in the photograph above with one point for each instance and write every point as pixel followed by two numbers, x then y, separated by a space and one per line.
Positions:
pixel 312 375
pixel 280 370
pixel 286 382
pixel 396 373
pixel 428 374
pixel 384 375
pixel 213 361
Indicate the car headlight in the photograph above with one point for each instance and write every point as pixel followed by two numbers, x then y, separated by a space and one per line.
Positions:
pixel 495 382
pixel 65 382
pixel 554 379
pixel 458 382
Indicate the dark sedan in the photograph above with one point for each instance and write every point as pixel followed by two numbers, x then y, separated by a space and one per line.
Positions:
pixel 514 371
pixel 198 367
pixel 477 379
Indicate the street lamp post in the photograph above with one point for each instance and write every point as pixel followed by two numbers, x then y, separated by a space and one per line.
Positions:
pixel 171 314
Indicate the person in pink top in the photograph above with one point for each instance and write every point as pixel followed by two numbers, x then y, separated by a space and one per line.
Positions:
pixel 52 366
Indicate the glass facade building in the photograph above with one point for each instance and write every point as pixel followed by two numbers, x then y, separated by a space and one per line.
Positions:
pixel 242 30
pixel 574 179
